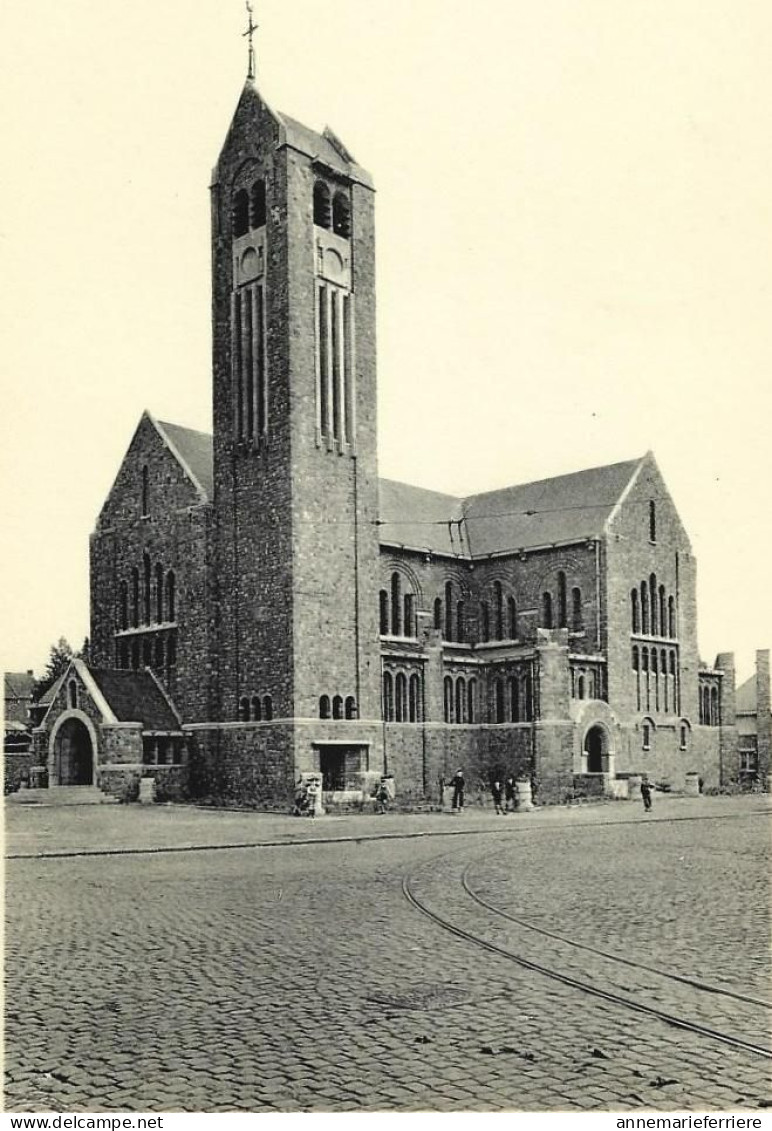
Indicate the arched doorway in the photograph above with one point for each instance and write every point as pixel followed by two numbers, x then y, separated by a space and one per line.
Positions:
pixel 596 749
pixel 73 754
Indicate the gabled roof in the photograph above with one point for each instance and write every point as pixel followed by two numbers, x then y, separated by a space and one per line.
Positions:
pixel 193 451
pixel 18 685
pixel 136 697
pixel 745 697
pixel 324 147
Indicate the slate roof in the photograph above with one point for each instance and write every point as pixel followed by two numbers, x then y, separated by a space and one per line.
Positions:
pixel 565 508
pixel 135 697
pixel 324 147
pixel 18 685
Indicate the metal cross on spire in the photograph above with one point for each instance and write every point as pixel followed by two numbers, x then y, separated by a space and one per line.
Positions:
pixel 250 32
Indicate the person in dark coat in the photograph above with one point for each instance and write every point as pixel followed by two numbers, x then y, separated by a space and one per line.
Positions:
pixel 459 785
pixel 509 792
pixel 496 791
pixel 646 793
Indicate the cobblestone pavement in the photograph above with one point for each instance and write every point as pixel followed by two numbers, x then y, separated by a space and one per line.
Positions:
pixel 298 977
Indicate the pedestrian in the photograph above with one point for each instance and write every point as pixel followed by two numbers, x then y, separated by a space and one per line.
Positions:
pixel 646 792
pixel 496 790
pixel 382 798
pixel 509 793
pixel 458 784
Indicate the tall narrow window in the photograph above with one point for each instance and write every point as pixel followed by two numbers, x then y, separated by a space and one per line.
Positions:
pixel 337 707
pixel 159 654
pixel 485 622
pixel 237 365
pixel 341 215
pixel 135 597
pixel 324 707
pixel 471 712
pixel 671 618
pixel 73 694
pixel 258 204
pixel 409 625
pixel 663 670
pixel 146 588
pixel 512 618
pixel 414 697
pixel 438 613
pixel 388 697
pixel 460 622
pixel 244 710
pixel 546 610
pixel 145 492
pixel 448 610
pixel 123 602
pixel 351 707
pixel 655 673
pixel 652 521
pixel 322 205
pixel 147 653
pixel 337 397
pixel 267 708
pixel 448 698
pixel 171 595
pixel 498 605
pixel 460 700
pixel 644 608
pixel 715 718
pixel 396 599
pixel 654 604
pixel 577 619
pixel 529 705
pixel 383 598
pixel 514 699
pixel 635 615
pixel 241 213
pixel 498 695
pixel 562 602
pixel 323 355
pixel 261 394
pixel 159 593
pixel 257 708
pixel 662 612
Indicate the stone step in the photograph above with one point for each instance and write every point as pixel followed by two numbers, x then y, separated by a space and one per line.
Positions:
pixel 57 795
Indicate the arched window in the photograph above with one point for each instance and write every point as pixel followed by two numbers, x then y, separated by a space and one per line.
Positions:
pixel 498 607
pixel 448 698
pixel 384 612
pixel 401 697
pixel 409 619
pixel 244 710
pixel 72 689
pixel 351 707
pixel 471 701
pixel 258 204
pixel 170 595
pixel 514 699
pixel 652 521
pixel 671 617
pixel 635 615
pixel 460 700
pixel 644 659
pixel 655 673
pixel 135 597
pixel 438 614
pixel 512 618
pixel 257 708
pixel 644 608
pixel 123 602
pixel 145 492
pixel 388 697
pixel 485 622
pixel 396 600
pixel 684 736
pixel 662 611
pixel 460 622
pixel 654 604
pixel 562 602
pixel 159 593
pixel 636 660
pixel 546 610
pixel 714 713
pixel 159 654
pixel 498 697
pixel 529 697
pixel 241 213
pixel 663 670
pixel 337 707
pixel 146 588
pixel 414 699
pixel 341 215
pixel 646 736
pixel 448 610
pixel 324 707
pixel 580 687
pixel 577 618
pixel 267 708
pixel 322 205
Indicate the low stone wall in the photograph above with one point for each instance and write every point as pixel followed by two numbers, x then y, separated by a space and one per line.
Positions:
pixel 172 782
pixel 16 768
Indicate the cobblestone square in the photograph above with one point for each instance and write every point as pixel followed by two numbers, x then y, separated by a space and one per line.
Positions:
pixel 573 959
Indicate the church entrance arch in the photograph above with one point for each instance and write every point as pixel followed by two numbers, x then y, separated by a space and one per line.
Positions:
pixel 73 753
pixel 596 749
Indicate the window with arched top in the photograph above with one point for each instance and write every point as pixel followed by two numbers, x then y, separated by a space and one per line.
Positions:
pixel 715 719
pixel 324 707
pixel 485 622
pixel 72 689
pixel 400 697
pixel 448 698
pixel 396 598
pixel 671 617
pixel 159 593
pixel 652 521
pixel 383 612
pixel 580 687
pixel 635 613
pixel 351 707
pixel 171 595
pixel 646 733
pixel 546 610
pixel 471 701
pixel 123 605
pixel 460 622
pixel 654 604
pixel 146 588
pixel 662 611
pixel 562 601
pixel 244 709
pixel 409 625
pixel 240 213
pixel 322 205
pixel 135 597
pixel 257 708
pixel 414 699
pixel 644 608
pixel 267 708
pixel 684 734
pixel 498 610
pixel 258 204
pixel 145 492
pixel 460 700
pixel 514 699
pixel 341 215
pixel 337 707
pixel 577 611
pixel 448 610
pixel 498 700
pixel 388 697
pixel 512 618
pixel 438 614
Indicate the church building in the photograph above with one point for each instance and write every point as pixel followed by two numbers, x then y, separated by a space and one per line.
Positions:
pixel 263 605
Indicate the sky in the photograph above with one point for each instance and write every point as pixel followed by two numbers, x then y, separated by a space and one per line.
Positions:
pixel 573 240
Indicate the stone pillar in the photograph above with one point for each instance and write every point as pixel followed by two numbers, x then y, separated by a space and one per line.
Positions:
pixel 729 759
pixel 763 716
pixel 553 730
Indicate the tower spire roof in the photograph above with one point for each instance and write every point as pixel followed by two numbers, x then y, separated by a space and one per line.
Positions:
pixel 250 32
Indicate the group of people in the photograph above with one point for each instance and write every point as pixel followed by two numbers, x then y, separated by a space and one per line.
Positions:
pixel 504 793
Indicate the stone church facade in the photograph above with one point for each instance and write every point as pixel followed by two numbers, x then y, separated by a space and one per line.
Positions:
pixel 296 613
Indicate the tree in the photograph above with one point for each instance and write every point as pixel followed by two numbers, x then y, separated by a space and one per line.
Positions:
pixel 59 660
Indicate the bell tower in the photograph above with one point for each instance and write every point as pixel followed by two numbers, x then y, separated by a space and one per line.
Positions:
pixel 295 461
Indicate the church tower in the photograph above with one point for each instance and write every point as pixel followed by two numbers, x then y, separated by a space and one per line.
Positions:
pixel 295 462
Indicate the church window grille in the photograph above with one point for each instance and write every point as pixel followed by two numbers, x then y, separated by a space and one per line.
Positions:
pixel 654 604
pixel 146 587
pixel 562 602
pixel 241 213
pixel 244 709
pixel 257 709
pixel 396 597
pixel 635 611
pixel 72 689
pixel 438 614
pixel 652 521
pixel 461 700
pixel 448 610
pixel 460 622
pixel 546 610
pixel 258 204
pixel 159 654
pixel 159 593
pixel 448 698
pixel 145 492
pixel 514 699
pixel 400 686
pixel 644 608
pixel 135 655
pixel 123 600
pixel 512 617
pixel 341 215
pixel 388 697
pixel 498 604
pixel 337 707
pixel 351 707
pixel 171 587
pixel 414 698
pixel 409 614
pixel 135 597
pixel 267 708
pixel 671 617
pixel 324 707
pixel 498 700
pixel 384 612
pixel 471 704
pixel 577 618
pixel 322 206
pixel 485 622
